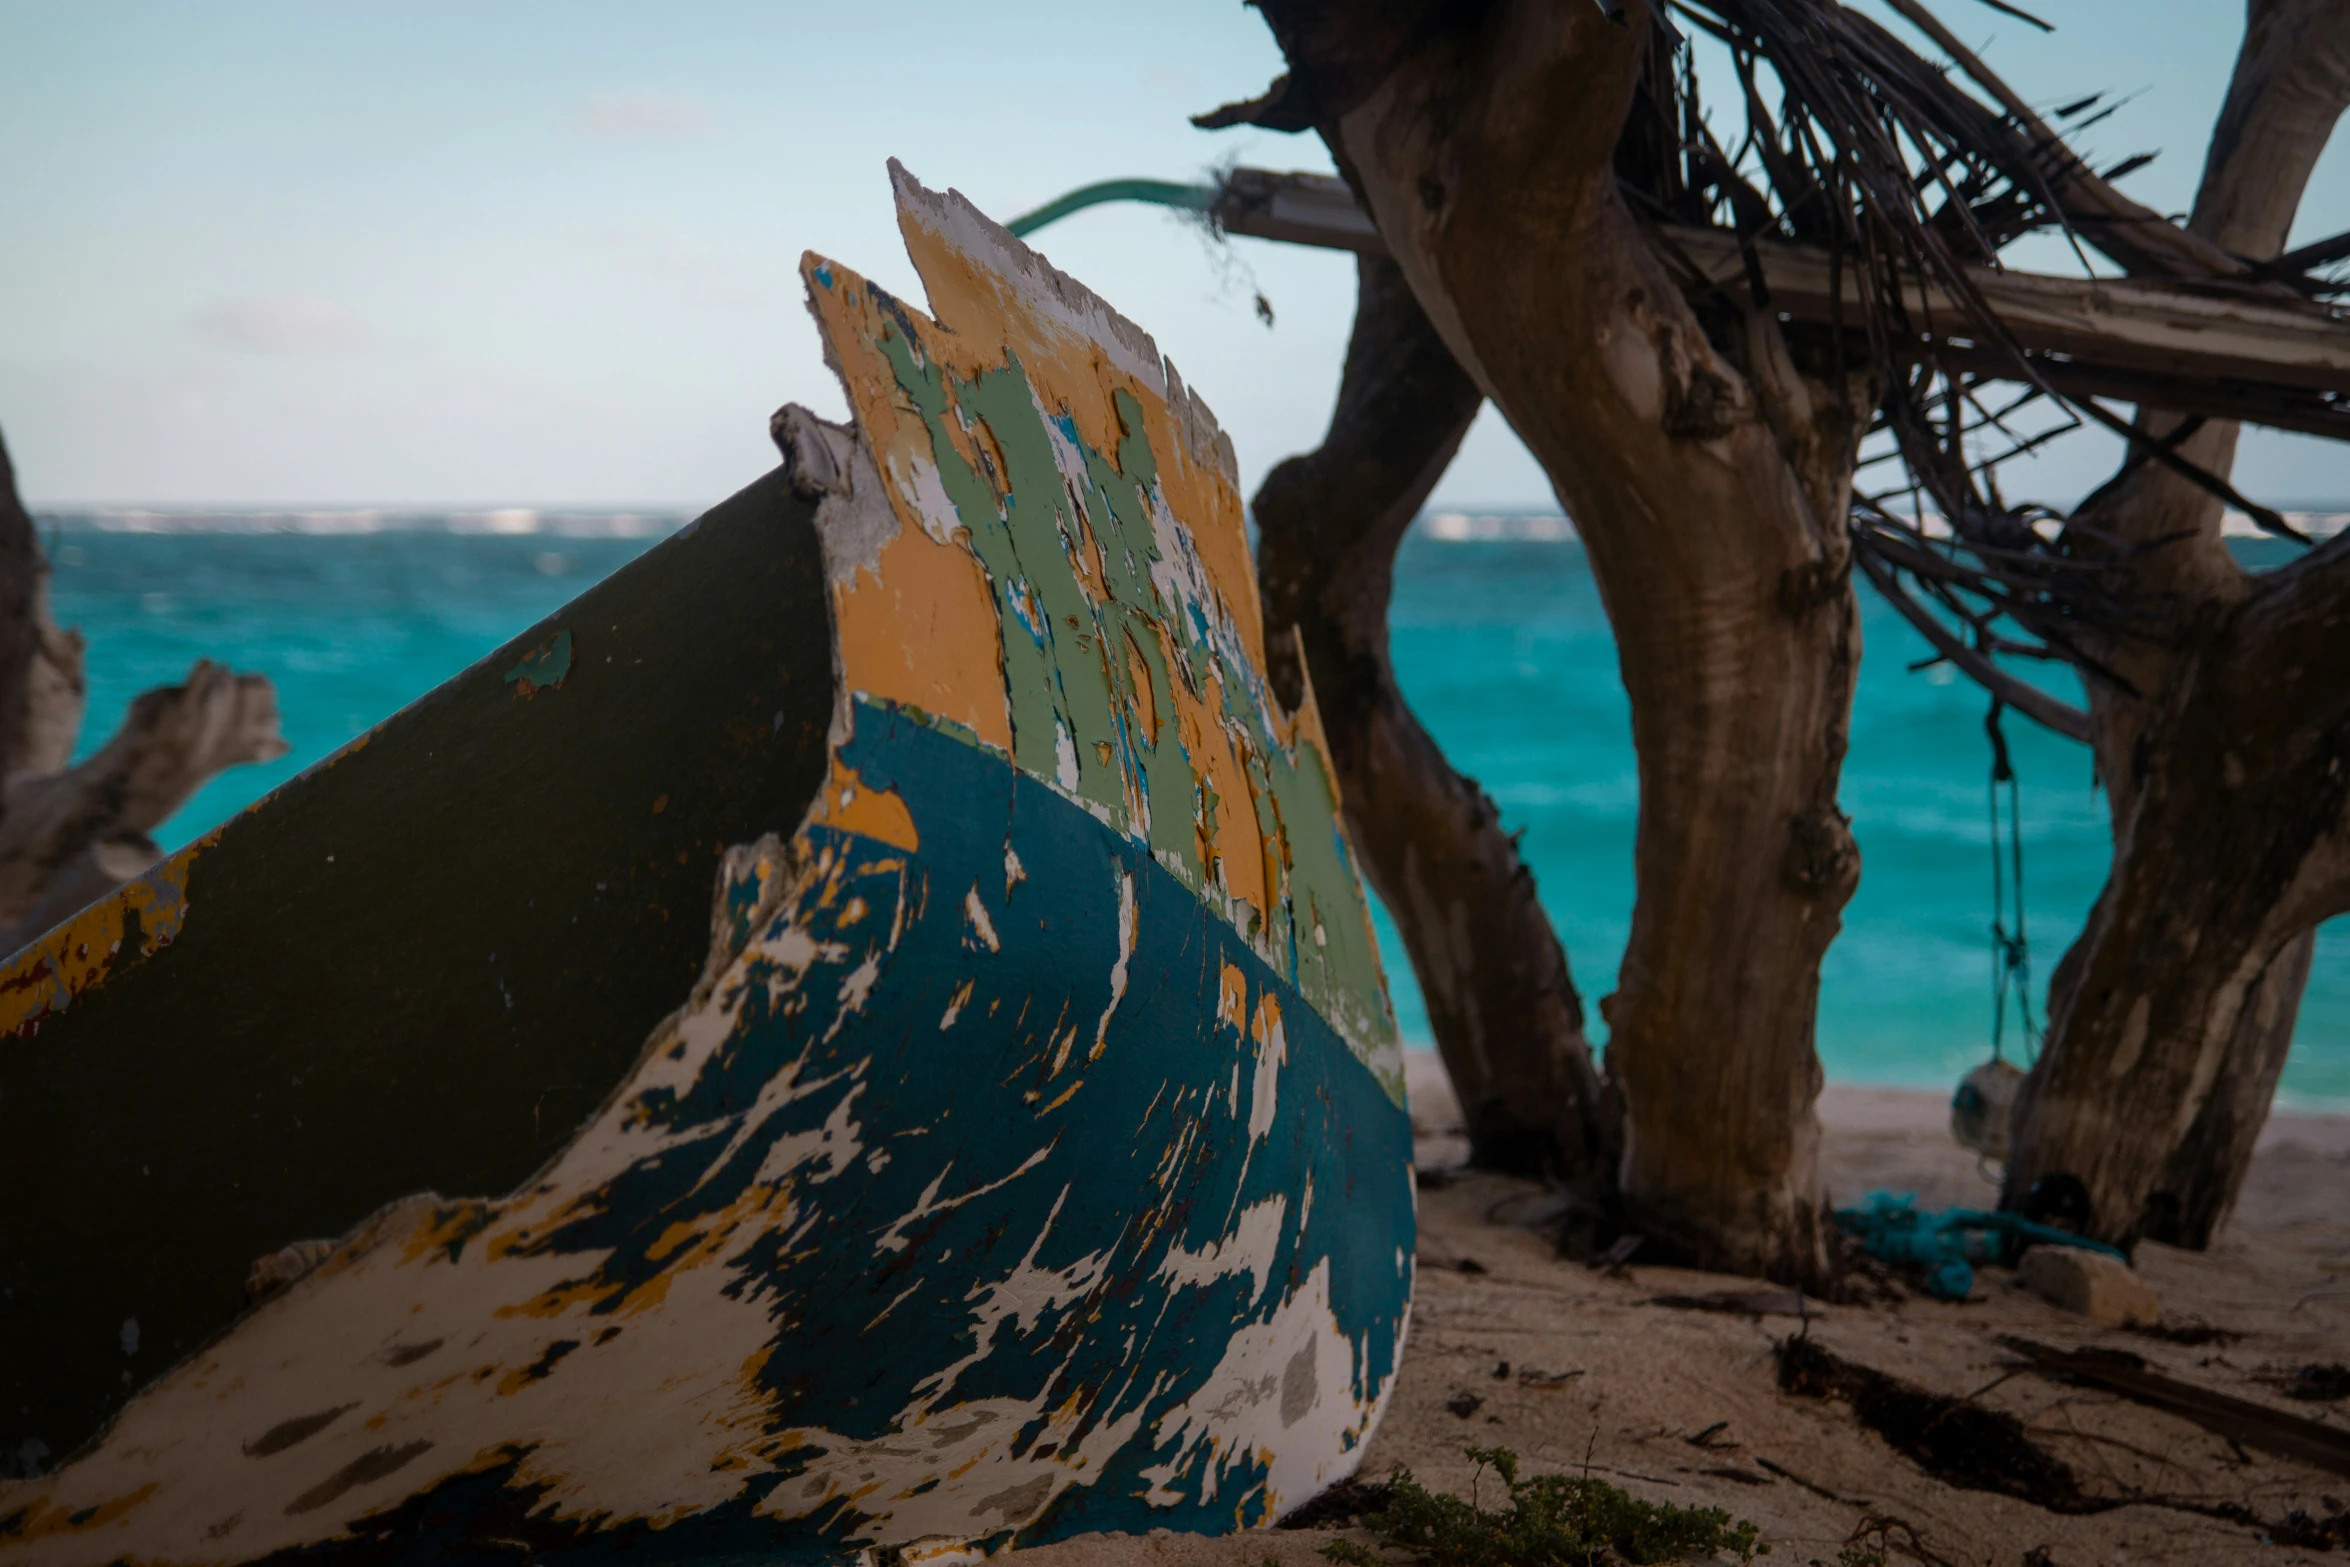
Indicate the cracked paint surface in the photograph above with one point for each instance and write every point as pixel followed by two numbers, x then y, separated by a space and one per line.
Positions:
pixel 144 915
pixel 544 668
pixel 1028 1159
pixel 1069 584
pixel 136 920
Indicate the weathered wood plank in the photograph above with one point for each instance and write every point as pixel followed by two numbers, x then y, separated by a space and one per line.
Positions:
pixel 1298 209
pixel 2140 324
pixel 2231 352
pixel 2296 1437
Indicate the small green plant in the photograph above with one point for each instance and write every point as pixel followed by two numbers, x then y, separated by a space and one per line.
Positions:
pixel 1550 1521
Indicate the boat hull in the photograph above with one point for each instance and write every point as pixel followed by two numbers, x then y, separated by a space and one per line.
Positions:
pixel 1024 1154
pixel 419 967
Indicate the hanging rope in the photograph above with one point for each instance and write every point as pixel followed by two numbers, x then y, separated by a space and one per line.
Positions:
pixel 2011 955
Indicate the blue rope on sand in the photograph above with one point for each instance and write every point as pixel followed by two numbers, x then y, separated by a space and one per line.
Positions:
pixel 1948 1242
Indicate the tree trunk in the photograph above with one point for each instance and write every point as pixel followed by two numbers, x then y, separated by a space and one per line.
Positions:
pixel 2236 843
pixel 2171 1018
pixel 1500 1000
pixel 21 570
pixel 2199 1181
pixel 1709 479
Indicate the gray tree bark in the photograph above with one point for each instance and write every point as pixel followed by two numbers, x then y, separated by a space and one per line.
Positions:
pixel 1501 1002
pixel 1708 476
pixel 2221 752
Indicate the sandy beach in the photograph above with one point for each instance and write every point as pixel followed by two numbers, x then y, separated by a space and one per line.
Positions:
pixel 1513 1346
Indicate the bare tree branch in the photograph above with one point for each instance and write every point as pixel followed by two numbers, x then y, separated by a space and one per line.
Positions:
pixel 2024 697
pixel 1501 1000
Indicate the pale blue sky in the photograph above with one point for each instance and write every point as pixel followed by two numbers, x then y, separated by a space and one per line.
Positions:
pixel 536 253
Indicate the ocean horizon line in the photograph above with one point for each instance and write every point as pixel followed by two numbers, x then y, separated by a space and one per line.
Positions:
pixel 643 522
pixel 1444 525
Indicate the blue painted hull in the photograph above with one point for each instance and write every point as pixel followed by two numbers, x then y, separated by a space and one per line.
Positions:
pixel 1027 1159
pixel 1010 1232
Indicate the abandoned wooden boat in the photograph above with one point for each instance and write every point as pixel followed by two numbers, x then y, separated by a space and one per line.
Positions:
pixel 411 1167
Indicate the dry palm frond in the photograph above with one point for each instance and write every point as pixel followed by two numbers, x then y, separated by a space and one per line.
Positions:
pixel 1851 140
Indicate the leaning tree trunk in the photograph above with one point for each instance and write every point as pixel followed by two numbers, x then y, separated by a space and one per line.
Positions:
pixel 1709 480
pixel 2199 1180
pixel 2171 1017
pixel 2237 843
pixel 1500 1000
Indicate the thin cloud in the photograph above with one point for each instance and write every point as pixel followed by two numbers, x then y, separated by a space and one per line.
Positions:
pixel 700 276
pixel 643 117
pixel 280 324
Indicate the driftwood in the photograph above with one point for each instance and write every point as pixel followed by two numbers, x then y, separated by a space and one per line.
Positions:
pixel 2296 1437
pixel 2194 350
pixel 70 834
pixel 1963 1443
pixel 67 838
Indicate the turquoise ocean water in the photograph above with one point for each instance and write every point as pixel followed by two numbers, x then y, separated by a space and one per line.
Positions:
pixel 1500 645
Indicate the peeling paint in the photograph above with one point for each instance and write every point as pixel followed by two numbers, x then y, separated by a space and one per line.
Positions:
pixel 1071 480
pixel 967 1198
pixel 143 916
pixel 703 1212
pixel 543 668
